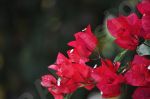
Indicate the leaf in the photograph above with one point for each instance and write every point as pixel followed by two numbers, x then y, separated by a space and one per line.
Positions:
pixel 143 49
pixel 120 56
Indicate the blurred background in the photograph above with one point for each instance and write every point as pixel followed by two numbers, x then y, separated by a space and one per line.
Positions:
pixel 32 32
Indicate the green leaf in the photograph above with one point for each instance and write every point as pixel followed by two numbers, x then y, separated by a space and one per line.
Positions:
pixel 120 56
pixel 143 49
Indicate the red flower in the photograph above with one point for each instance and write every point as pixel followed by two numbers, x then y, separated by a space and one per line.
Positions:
pixel 82 76
pixel 75 57
pixel 85 42
pixel 126 30
pixel 58 88
pixel 142 93
pixel 63 66
pixel 88 38
pixel 108 81
pixel 139 73
pixel 80 47
pixel 73 71
pixel 144 9
pixel 50 82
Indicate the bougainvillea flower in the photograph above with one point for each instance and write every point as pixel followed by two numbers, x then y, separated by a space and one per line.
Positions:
pixel 73 71
pixel 142 93
pixel 139 73
pixel 58 88
pixel 63 66
pixel 80 47
pixel 108 81
pixel 75 57
pixel 83 77
pixel 146 26
pixel 85 42
pixel 50 82
pixel 127 42
pixel 126 30
pixel 88 38
pixel 143 7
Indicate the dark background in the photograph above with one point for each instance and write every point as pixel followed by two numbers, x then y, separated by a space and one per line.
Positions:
pixel 32 32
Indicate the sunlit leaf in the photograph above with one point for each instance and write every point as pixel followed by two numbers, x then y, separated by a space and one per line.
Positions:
pixel 143 49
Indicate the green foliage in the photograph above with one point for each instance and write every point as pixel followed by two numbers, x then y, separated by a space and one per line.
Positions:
pixel 144 49
pixel 120 56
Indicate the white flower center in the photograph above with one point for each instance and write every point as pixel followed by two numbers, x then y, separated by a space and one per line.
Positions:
pixel 71 50
pixel 95 66
pixel 124 70
pixel 58 81
pixel 84 30
pixel 148 67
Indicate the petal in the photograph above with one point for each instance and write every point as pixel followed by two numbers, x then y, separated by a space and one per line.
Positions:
pixel 145 23
pixel 127 43
pixel 88 38
pixel 74 56
pixel 61 59
pixel 140 60
pixel 114 25
pixel 141 93
pixel 54 67
pixel 48 80
pixel 144 7
pixel 135 78
pixel 109 91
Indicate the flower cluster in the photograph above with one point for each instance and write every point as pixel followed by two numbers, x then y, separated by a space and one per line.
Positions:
pixel 72 71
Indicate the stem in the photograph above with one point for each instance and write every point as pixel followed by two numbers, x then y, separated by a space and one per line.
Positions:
pixel 68 96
